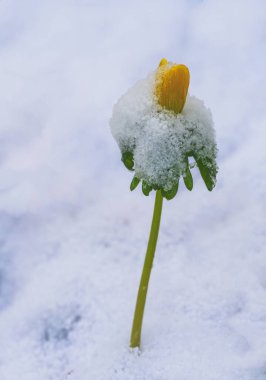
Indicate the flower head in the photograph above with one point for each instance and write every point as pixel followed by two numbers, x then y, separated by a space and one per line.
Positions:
pixel 160 129
pixel 171 86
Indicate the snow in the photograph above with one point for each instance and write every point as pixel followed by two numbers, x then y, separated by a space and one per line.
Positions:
pixel 160 140
pixel 73 236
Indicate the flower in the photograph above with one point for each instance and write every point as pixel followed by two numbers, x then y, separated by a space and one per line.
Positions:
pixel 172 86
pixel 160 129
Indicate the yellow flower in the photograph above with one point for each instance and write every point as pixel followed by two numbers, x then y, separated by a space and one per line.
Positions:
pixel 158 110
pixel 171 85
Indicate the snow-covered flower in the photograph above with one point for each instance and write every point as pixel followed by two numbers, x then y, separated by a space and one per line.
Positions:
pixel 160 130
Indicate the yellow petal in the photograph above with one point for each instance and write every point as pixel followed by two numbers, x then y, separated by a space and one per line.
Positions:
pixel 163 62
pixel 171 86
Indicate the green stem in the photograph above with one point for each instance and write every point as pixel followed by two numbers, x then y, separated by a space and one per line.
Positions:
pixel 144 282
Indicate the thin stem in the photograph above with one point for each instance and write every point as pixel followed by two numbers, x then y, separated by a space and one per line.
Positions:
pixel 144 282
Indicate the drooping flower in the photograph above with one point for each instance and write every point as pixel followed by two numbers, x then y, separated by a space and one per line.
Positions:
pixel 161 130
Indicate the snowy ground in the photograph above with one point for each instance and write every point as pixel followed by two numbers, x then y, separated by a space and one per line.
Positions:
pixel 73 237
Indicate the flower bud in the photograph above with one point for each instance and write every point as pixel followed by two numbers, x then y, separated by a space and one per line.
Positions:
pixel 171 86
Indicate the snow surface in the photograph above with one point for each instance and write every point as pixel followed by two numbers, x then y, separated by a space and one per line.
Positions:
pixel 73 236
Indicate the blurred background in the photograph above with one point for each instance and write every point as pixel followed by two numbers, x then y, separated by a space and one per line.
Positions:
pixel 73 237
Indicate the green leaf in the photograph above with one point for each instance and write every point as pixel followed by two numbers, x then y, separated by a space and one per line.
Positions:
pixel 155 187
pixel 128 160
pixel 208 174
pixel 170 194
pixel 134 183
pixel 146 188
pixel 187 177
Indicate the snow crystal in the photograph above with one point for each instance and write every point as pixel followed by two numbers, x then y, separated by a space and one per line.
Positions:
pixel 160 140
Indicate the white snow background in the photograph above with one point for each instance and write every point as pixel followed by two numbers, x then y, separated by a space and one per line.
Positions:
pixel 73 237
